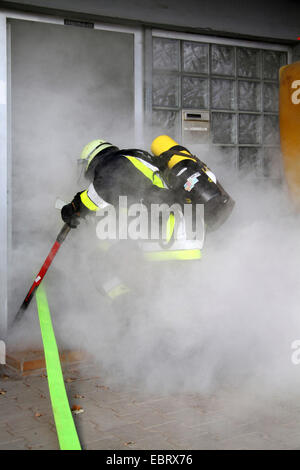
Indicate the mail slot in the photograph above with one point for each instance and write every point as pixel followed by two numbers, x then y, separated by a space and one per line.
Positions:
pixel 195 126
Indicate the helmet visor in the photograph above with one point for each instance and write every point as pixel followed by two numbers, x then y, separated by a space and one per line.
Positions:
pixel 80 171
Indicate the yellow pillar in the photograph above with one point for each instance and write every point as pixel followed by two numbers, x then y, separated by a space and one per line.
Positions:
pixel 289 120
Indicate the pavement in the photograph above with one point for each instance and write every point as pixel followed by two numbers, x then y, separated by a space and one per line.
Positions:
pixel 128 418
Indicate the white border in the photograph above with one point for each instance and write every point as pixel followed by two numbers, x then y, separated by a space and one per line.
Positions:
pixel 3 176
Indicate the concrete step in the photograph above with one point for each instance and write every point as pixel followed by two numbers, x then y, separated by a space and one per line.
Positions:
pixel 32 362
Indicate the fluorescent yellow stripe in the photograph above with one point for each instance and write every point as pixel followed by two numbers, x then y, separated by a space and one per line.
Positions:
pixel 177 158
pixel 65 427
pixel 170 227
pixel 155 179
pixel 173 255
pixel 87 202
pixel 117 291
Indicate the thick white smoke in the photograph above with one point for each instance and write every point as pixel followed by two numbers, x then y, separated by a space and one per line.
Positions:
pixel 227 319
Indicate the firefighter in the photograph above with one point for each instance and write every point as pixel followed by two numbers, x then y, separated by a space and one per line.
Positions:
pixel 113 173
pixel 192 181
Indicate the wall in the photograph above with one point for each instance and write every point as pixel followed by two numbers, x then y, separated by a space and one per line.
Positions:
pixel 277 20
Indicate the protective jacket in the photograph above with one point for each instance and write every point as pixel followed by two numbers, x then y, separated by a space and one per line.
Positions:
pixel 124 173
pixel 130 173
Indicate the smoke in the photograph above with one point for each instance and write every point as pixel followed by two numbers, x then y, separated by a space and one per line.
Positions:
pixel 228 319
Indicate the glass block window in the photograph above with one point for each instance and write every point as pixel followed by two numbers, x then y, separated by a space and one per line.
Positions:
pixel 249 129
pixel 237 85
pixel 222 94
pixel 271 163
pixel 165 122
pixel 271 130
pixel 223 128
pixel 165 54
pixel 249 160
pixel 194 92
pixel 270 95
pixel 222 60
pixel 249 95
pixel 272 61
pixel 195 57
pixel 248 63
pixel 165 90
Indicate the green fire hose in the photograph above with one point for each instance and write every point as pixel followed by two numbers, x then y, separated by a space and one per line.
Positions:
pixel 65 427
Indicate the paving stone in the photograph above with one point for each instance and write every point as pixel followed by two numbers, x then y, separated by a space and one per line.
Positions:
pixel 8 411
pixel 88 437
pixel 131 432
pixel 193 440
pixel 5 434
pixel 176 433
pixel 148 419
pixel 169 405
pixel 205 442
pixel 101 395
pixel 40 435
pixel 182 437
pixel 118 417
pixel 104 419
pixel 249 441
pixel 192 417
pixel 109 443
pixel 122 408
pixel 18 444
pixel 284 439
pixel 7 397
pixel 88 431
pixel 22 422
pixel 221 429
pixel 152 442
pixel 30 398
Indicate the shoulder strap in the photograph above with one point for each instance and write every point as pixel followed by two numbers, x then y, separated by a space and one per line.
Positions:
pixel 162 160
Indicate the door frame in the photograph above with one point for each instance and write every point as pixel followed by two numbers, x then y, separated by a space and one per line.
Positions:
pixel 5 128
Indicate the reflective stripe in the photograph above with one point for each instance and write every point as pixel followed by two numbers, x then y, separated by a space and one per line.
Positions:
pixel 180 237
pixel 117 291
pixel 177 158
pixel 95 152
pixel 170 227
pixel 180 245
pixel 94 196
pixel 91 199
pixel 148 170
pixel 87 202
pixel 181 171
pixel 115 287
pixel 111 283
pixel 211 175
pixel 173 255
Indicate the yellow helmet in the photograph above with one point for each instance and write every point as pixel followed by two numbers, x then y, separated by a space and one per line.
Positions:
pixel 92 149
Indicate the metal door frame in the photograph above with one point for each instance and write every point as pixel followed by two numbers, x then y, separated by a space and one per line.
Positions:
pixel 5 128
